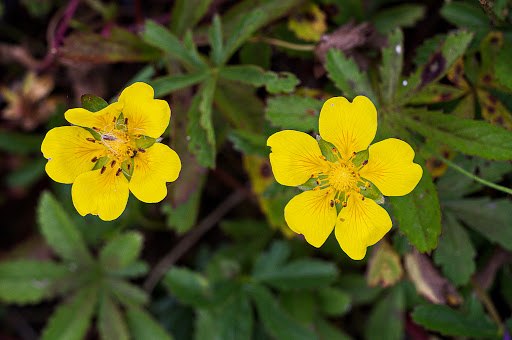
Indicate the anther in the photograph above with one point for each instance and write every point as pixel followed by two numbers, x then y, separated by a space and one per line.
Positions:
pixel 367 184
pixel 128 166
pixel 334 150
pixel 114 120
pixel 91 140
pixel 112 164
pixel 134 153
pixel 103 169
pixel 313 176
pixel 331 203
pixel 362 198
pixel 337 201
pixel 316 188
pixel 95 128
pixel 94 159
pixel 365 162
pixel 317 181
pixel 142 150
pixel 344 204
pixel 118 171
pixel 126 121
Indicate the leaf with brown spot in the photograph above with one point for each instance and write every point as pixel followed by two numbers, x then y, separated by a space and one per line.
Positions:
pixel 384 266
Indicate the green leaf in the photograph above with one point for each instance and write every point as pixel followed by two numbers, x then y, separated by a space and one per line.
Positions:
pixel 399 16
pixel 386 320
pixel 294 112
pixel 234 318
pixel 435 93
pixel 299 274
pixel 126 293
pixel 249 143
pixel 186 14
pixel 455 252
pixel 25 281
pixel 300 305
pixel 271 260
pixel 243 31
pixel 257 53
pixel 276 321
pixel 503 68
pixel 71 320
pixel 216 42
pixel 206 109
pixel 488 217
pixel 283 82
pixel 121 251
pixel 391 67
pixel 257 76
pixel 111 323
pixel 143 327
pixel 472 137
pixel 27 174
pixel 347 77
pixel 161 38
pixel 188 286
pixel 465 14
pixel 20 143
pixel 328 331
pixel 93 103
pixel 133 270
pixel 200 144
pixel 59 231
pixel 418 214
pixel 443 319
pixel 358 289
pixel 168 84
pixel 384 267
pixel 334 301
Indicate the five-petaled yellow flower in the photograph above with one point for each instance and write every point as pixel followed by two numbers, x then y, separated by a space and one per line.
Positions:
pixel 342 179
pixel 113 151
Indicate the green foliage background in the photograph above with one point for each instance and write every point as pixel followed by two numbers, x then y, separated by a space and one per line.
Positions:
pixel 215 260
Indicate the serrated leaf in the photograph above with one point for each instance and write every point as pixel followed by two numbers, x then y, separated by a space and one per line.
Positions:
pixel 25 281
pixel 186 13
pixel 418 214
pixel 391 66
pixel 111 323
pixel 347 77
pixel 121 251
pixel 488 217
pixel 294 112
pixel 188 286
pixel 472 137
pixel 257 76
pixel 384 267
pixel 249 143
pixel 168 84
pixel 398 16
pixel 279 324
pixel 59 231
pixel 161 38
pixel 451 322
pixel 333 301
pixel 143 327
pixel 127 294
pixel 93 103
pixel 251 22
pixel 380 323
pixel 465 14
pixel 455 252
pixel 283 82
pixel 71 320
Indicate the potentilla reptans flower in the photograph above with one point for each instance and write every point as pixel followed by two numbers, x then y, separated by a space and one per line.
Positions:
pixel 346 176
pixel 107 154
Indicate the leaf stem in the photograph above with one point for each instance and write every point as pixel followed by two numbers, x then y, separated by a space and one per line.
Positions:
pixel 284 44
pixel 484 298
pixel 475 177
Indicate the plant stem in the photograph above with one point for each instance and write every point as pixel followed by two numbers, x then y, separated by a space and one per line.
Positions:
pixel 484 298
pixel 284 44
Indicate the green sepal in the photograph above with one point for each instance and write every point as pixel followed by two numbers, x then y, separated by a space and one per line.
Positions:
pixel 309 185
pixel 361 157
pixel 95 134
pixel 145 142
pixel 327 149
pixel 93 103
pixel 127 170
pixel 372 192
pixel 100 163
pixel 120 124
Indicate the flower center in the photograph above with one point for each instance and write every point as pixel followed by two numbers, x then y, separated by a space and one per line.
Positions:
pixel 119 144
pixel 342 176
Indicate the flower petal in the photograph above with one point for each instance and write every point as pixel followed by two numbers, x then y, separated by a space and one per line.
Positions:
pixel 69 152
pixel 103 194
pixel 391 169
pixel 361 224
pixel 311 214
pixel 295 157
pixel 351 127
pixel 146 116
pixel 102 119
pixel 152 169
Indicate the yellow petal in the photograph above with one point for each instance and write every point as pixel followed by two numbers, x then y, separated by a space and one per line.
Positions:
pixel 102 119
pixel 146 116
pixel 295 157
pixel 391 169
pixel 70 151
pixel 359 225
pixel 152 170
pixel 351 127
pixel 103 194
pixel 311 214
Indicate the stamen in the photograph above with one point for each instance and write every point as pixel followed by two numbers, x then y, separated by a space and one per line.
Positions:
pixel 94 159
pixel 134 153
pixel 331 203
pixel 91 140
pixel 367 184
pixel 142 150
pixel 337 201
pixel 126 121
pixel 95 128
pixel 362 198
pixel 344 204
pixel 317 182
pixel 112 164
pixel 103 170
pixel 118 171
pixel 108 137
pixel 114 120
pixel 364 162
pixel 128 166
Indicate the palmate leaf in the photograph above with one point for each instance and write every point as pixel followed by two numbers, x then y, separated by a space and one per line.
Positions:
pixel 294 112
pixel 121 251
pixel 143 326
pixel 418 214
pixel 167 84
pixel 111 323
pixel 188 286
pixel 216 40
pixel 257 76
pixel 59 231
pixel 187 13
pixel 391 67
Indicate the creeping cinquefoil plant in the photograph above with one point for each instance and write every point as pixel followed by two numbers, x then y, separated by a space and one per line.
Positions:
pixel 345 174
pixel 113 151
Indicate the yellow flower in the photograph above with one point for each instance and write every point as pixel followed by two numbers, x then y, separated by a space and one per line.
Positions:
pixel 342 178
pixel 111 152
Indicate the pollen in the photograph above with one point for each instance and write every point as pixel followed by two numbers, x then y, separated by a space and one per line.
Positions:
pixel 342 176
